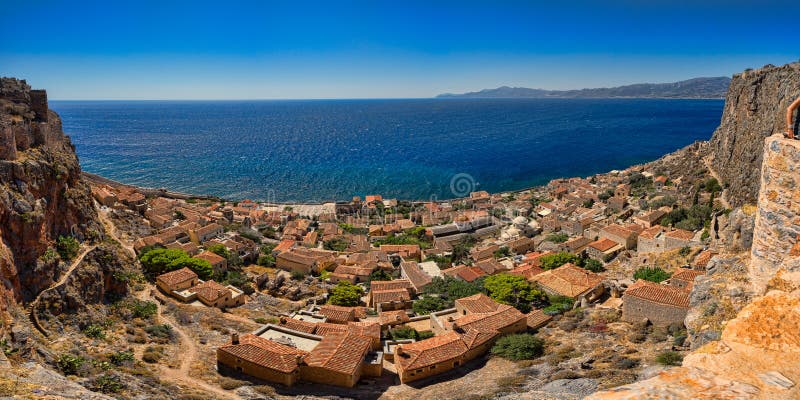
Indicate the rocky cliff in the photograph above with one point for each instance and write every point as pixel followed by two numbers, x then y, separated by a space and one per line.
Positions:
pixel 42 195
pixel 754 109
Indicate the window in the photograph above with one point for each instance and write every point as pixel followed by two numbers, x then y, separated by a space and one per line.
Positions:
pixel 419 371
pixel 455 364
pixel 433 367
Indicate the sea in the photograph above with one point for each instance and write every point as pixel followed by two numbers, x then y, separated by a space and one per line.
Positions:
pixel 412 149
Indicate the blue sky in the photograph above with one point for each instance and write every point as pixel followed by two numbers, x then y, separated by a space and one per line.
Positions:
pixel 354 49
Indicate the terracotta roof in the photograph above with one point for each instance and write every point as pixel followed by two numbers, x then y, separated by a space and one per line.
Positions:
pixel 293 256
pixel 368 329
pixel 265 353
pixel 652 232
pixel 210 291
pixel 652 216
pixel 390 285
pixel 340 352
pixel 703 258
pixel 284 245
pixel 430 351
pixel 298 325
pixel 504 316
pixel 476 337
pixel 569 280
pixel 527 270
pixel 537 319
pixel 478 303
pixel 203 230
pixel 211 257
pixel 327 328
pixel 174 277
pixel 603 244
pixel 353 270
pixel 416 275
pixel 338 313
pixel 490 266
pixel 386 296
pixel 658 293
pixel 617 230
pixel 680 234
pixel 393 317
pixel 684 274
pixel 462 272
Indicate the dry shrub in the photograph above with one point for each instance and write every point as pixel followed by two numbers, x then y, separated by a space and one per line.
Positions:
pixel 152 354
pixel 509 382
pixel 230 383
pixel 265 390
pixel 565 374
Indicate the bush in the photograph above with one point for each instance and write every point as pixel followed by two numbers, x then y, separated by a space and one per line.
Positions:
pixel 593 265
pixel 121 357
pixel 626 363
pixel 152 354
pixel 220 250
pixel 69 364
pixel 67 247
pixel 161 331
pixel 159 261
pixel 519 347
pixel 143 308
pixel 298 276
pixel 94 331
pixel 266 260
pixel 653 274
pixel 346 294
pixel 429 304
pixel 107 384
pixel 552 261
pixel 557 237
pixel 336 244
pixel 669 358
pixel 230 383
pixel 513 290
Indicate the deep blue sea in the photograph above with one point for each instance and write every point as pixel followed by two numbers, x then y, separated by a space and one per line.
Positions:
pixel 320 150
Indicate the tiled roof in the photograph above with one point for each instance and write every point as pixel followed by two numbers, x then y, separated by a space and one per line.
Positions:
pixel 211 257
pixel 478 303
pixel 490 266
pixel 203 230
pixel 688 275
pixel 298 325
pixel 652 216
pixel 537 319
pixel 341 352
pixel 393 317
pixel 527 270
pixel 617 230
pixel 284 245
pixel 265 353
pixel 368 329
pixel 338 313
pixel 568 280
pixel 174 277
pixel 658 293
pixel 680 234
pixel 603 244
pixel 476 337
pixel 430 351
pixel 462 272
pixel 505 316
pixel 327 328
pixel 652 232
pixel 415 274
pixel 210 291
pixel 385 296
pixel 390 285
pixel 703 258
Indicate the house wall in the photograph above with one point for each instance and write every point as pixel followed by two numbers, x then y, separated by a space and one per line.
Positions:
pixel 421 373
pixel 179 286
pixel 329 377
pixel 226 360
pixel 674 243
pixel 635 309
pixel 292 266
pixel 655 245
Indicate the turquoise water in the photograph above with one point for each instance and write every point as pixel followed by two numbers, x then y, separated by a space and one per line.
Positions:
pixel 319 150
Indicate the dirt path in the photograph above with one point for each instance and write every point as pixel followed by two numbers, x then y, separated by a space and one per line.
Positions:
pixel 722 198
pixel 187 354
pixel 112 230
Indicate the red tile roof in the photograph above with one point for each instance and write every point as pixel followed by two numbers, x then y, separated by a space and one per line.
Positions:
pixel 266 353
pixel 210 291
pixel 386 296
pixel 537 319
pixel 390 285
pixel 658 293
pixel 178 276
pixel 430 351
pixel 341 352
pixel 680 234
pixel 603 244
pixel 504 317
pixel 478 303
pixel 338 313
pixel 298 325
pixel 684 274
pixel 393 317
pixel 569 280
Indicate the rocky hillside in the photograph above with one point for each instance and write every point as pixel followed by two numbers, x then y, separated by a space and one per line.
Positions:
pixel 754 109
pixel 42 196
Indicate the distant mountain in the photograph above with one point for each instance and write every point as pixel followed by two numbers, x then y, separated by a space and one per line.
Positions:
pixel 697 88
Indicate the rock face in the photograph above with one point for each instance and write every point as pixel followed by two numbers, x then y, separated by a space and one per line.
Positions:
pixel 755 108
pixel 42 195
pixel 778 216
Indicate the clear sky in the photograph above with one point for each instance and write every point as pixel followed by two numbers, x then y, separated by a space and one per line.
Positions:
pixel 354 49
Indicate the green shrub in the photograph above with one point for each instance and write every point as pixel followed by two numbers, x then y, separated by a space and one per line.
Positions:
pixel 336 244
pixel 266 260
pixel 94 331
pixel 107 384
pixel 143 308
pixel 152 354
pixel 513 290
pixel 669 358
pixel 220 250
pixel 49 255
pixel 593 265
pixel 345 294
pixel 162 331
pixel 298 275
pixel 67 247
pixel 429 304
pixel 557 237
pixel 552 261
pixel 69 364
pixel 159 261
pixel 121 357
pixel 652 274
pixel 519 347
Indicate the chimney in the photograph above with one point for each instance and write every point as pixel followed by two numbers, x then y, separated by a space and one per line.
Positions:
pixel 398 350
pixel 234 338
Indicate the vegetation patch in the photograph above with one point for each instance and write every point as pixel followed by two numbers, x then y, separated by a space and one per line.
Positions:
pixel 519 347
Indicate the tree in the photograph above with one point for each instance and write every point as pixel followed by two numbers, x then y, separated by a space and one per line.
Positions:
pixel 519 347
pixel 345 294
pixel 336 244
pixel 379 275
pixel 461 249
pixel 552 261
pixel 653 274
pixel 451 288
pixel 593 265
pixel 429 304
pixel 557 237
pixel 502 252
pixel 712 185
pixel 266 260
pixel 67 247
pixel 159 261
pixel 513 290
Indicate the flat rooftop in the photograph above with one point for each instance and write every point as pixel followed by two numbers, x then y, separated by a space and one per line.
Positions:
pixel 300 340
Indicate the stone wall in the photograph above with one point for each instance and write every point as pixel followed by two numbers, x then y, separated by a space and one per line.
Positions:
pixel 636 310
pixel 778 216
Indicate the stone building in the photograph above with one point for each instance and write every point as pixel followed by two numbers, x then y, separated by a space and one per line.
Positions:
pixel 177 280
pixel 662 305
pixel 571 281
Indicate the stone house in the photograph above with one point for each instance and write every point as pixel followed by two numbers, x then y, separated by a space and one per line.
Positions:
pixel 619 234
pixel 678 238
pixel 650 219
pixel 662 305
pixel 651 240
pixel 177 280
pixel 205 233
pixel 603 249
pixel 262 358
pixel 522 245
pixel 575 245
pixel 684 278
pixel 218 263
pixel 214 294
pixel 571 281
